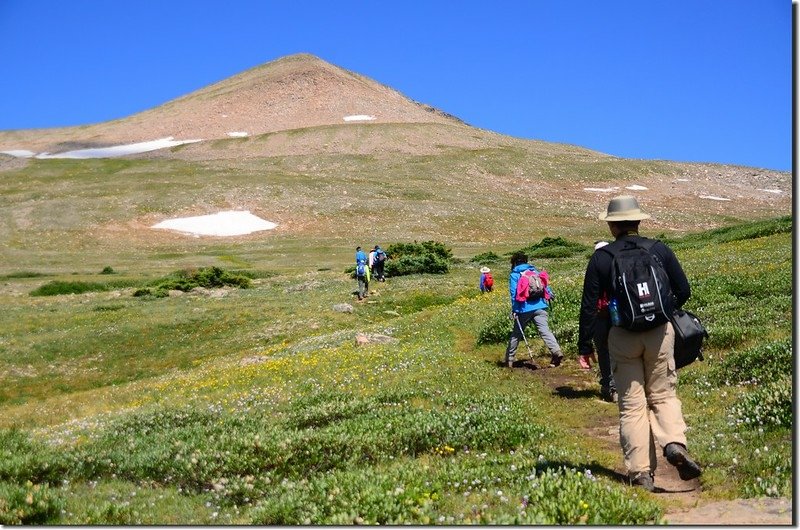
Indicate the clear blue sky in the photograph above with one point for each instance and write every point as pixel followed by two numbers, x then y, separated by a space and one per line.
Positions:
pixel 684 80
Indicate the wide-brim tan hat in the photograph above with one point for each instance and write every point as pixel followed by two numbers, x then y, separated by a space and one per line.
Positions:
pixel 485 270
pixel 623 208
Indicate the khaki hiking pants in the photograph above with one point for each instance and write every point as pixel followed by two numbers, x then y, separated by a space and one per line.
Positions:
pixel 644 371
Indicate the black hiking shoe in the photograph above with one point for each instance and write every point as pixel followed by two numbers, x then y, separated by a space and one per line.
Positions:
pixel 609 394
pixel 678 456
pixel 555 359
pixel 643 480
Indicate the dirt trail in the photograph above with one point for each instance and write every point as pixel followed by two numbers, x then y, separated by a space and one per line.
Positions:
pixel 684 501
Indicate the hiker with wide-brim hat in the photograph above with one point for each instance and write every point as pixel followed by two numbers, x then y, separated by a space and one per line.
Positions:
pixel 486 281
pixel 642 359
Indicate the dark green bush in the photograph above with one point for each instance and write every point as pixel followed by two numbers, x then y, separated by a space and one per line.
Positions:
pixel 553 247
pixel 486 257
pixel 107 270
pixel 417 258
pixel 208 277
pixel 57 287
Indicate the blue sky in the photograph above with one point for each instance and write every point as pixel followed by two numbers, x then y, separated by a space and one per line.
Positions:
pixel 684 80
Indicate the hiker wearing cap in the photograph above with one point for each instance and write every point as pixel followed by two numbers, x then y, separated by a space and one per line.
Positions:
pixel 486 282
pixel 530 307
pixel 641 340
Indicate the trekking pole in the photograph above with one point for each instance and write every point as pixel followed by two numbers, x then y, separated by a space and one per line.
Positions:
pixel 530 353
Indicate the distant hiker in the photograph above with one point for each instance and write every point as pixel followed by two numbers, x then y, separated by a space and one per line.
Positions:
pixel 530 299
pixel 371 260
pixel 641 339
pixel 602 325
pixel 380 260
pixel 486 283
pixel 362 274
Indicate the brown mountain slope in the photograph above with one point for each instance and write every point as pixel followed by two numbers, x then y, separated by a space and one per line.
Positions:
pixel 294 92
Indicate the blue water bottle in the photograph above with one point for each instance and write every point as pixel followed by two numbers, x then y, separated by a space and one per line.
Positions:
pixel 613 312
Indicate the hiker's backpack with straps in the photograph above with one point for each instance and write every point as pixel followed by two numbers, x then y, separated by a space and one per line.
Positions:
pixel 488 281
pixel 640 284
pixel 530 286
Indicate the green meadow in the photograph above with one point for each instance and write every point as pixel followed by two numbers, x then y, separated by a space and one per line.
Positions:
pixel 127 397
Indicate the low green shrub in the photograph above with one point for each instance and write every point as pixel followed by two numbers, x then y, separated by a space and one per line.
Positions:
pixel 553 247
pixel 28 504
pixel 207 277
pixel 486 257
pixel 24 459
pixel 57 287
pixel 107 270
pixel 24 274
pixel 496 328
pixel 762 363
pixel 739 232
pixel 428 257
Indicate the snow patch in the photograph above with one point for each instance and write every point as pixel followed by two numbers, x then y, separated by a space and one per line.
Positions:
pixel 237 134
pixel 230 223
pixel 772 191
pixel 681 180
pixel 119 150
pixel 635 187
pixel 713 198
pixel 359 117
pixel 19 153
pixel 602 190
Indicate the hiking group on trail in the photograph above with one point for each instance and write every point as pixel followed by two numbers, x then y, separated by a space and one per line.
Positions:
pixel 367 267
pixel 632 289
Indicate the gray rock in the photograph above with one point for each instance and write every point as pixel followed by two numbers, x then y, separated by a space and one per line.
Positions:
pixel 343 308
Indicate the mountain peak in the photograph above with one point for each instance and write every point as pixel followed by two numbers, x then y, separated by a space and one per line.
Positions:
pixel 292 92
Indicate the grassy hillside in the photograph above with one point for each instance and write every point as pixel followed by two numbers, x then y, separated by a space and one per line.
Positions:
pixel 78 216
pixel 227 406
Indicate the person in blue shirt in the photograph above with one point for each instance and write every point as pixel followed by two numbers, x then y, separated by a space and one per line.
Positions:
pixel 362 273
pixel 534 310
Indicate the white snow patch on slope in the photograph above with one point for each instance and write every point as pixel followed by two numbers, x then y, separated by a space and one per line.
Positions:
pixel 602 190
pixel 19 153
pixel 635 187
pixel 359 117
pixel 237 134
pixel 771 191
pixel 713 198
pixel 230 223
pixel 119 150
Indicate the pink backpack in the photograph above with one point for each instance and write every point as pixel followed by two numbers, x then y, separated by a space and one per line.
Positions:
pixel 531 286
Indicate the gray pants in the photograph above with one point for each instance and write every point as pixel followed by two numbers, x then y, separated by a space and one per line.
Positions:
pixel 363 287
pixel 539 318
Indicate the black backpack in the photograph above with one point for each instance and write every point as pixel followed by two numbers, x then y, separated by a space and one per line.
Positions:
pixel 640 284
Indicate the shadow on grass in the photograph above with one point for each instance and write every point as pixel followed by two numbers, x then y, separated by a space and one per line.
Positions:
pixel 593 468
pixel 528 365
pixel 567 392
